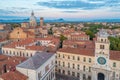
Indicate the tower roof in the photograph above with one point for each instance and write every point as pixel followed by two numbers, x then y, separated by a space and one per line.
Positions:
pixel 103 33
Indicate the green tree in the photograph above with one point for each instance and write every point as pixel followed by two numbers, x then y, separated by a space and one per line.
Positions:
pixel 50 31
pixel 62 38
pixel 90 33
pixel 114 43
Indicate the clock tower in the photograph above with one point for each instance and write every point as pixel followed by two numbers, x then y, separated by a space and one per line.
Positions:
pixel 102 50
pixel 101 66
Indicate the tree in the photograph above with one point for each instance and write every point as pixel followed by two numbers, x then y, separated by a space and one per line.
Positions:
pixel 114 43
pixel 50 31
pixel 90 33
pixel 62 38
pixel 15 25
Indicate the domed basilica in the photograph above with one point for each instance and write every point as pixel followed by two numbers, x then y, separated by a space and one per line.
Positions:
pixel 33 22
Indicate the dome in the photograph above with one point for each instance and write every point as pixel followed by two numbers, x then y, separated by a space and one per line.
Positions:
pixel 33 20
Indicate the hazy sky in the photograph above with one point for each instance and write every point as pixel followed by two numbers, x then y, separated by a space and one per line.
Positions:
pixel 84 9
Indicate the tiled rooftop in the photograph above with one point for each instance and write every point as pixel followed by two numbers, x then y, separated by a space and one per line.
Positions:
pixel 13 75
pixel 36 61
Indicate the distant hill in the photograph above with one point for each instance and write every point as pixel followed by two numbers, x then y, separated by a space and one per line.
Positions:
pixel 10 19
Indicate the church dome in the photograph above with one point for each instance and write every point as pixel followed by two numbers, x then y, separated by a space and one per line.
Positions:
pixel 33 20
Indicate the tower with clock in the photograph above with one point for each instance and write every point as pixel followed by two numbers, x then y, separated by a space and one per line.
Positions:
pixel 102 50
pixel 101 66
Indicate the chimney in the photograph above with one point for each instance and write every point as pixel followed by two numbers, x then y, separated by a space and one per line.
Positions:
pixel 41 22
pixel 4 68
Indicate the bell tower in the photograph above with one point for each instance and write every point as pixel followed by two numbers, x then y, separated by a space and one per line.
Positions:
pixel 102 50
pixel 101 69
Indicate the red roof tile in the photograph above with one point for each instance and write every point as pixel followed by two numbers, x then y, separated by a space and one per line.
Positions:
pixel 86 52
pixel 115 55
pixel 13 75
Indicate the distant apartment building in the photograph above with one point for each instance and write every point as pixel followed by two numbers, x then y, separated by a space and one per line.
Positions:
pixel 89 63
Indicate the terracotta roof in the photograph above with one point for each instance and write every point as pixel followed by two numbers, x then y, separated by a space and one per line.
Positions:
pixel 1 40
pixel 10 62
pixel 24 43
pixel 13 75
pixel 42 48
pixel 80 43
pixel 20 43
pixel 115 55
pixel 86 52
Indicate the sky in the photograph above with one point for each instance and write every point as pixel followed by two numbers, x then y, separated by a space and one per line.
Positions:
pixel 78 9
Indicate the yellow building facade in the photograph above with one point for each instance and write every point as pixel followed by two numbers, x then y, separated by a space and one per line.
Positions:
pixel 99 63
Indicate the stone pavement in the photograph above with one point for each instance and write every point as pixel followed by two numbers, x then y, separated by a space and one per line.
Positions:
pixel 65 77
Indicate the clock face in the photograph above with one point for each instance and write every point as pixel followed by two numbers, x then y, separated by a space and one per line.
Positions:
pixel 101 60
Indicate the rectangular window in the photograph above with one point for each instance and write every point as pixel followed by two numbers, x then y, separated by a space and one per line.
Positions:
pixel 73 57
pixel 68 72
pixel 89 60
pixel 68 57
pixel 78 66
pixel 68 65
pixel 101 46
pixel 73 66
pixel 78 58
pixel 63 56
pixel 46 68
pixel 63 64
pixel 78 75
pixel 39 75
pixel 89 69
pixel 84 59
pixel 73 73
pixel 114 64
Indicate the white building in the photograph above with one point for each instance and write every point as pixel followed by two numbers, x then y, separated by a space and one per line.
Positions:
pixel 39 67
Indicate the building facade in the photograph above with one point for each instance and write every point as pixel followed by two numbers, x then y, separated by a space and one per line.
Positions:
pixel 28 47
pixel 98 63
